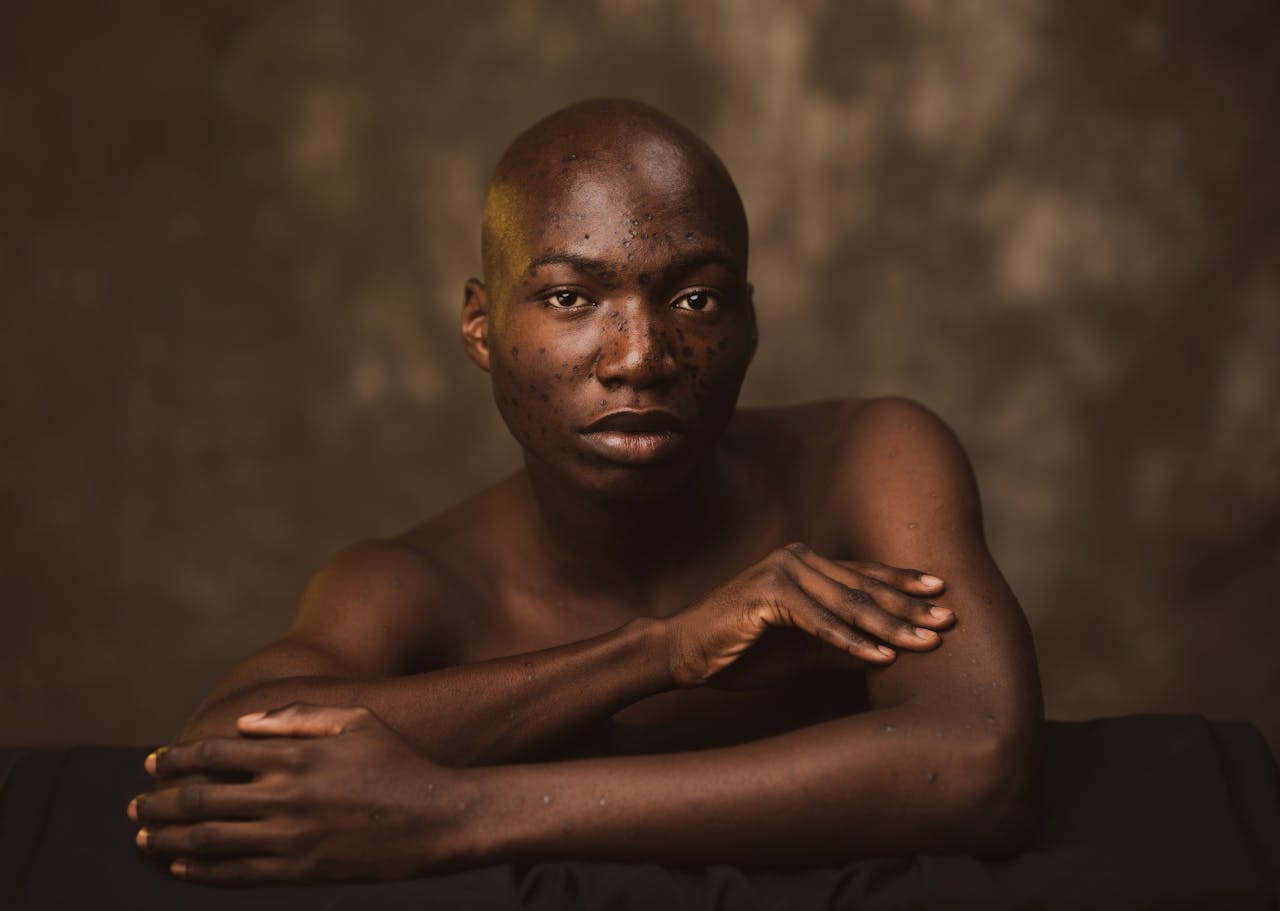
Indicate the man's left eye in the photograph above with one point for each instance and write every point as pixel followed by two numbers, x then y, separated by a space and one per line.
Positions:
pixel 698 301
pixel 565 300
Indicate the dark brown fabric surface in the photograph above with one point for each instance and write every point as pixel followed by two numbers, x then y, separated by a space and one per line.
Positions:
pixel 1139 812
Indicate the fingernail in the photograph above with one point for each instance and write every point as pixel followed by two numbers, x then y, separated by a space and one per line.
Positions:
pixel 178 868
pixel 133 809
pixel 887 652
pixel 252 717
pixel 930 580
pixel 941 613
pixel 142 838
pixel 923 633
pixel 151 760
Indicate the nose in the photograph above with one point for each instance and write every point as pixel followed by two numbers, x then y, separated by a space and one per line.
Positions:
pixel 636 350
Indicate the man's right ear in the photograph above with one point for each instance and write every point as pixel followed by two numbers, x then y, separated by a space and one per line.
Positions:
pixel 475 322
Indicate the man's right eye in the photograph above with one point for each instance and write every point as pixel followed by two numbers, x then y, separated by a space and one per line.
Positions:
pixel 565 300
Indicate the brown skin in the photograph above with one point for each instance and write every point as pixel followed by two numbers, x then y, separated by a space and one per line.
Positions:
pixel 641 602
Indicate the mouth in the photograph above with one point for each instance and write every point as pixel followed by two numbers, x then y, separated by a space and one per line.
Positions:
pixel 634 437
pixel 643 422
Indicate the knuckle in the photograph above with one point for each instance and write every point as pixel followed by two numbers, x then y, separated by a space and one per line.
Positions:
pixel 201 839
pixel 190 799
pixel 781 558
pixel 205 752
pixel 293 756
pixel 857 598
pixel 796 548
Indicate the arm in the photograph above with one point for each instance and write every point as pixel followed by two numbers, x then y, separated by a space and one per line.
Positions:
pixel 945 761
pixel 376 611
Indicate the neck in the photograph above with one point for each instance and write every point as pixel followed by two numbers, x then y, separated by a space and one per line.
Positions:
pixel 629 545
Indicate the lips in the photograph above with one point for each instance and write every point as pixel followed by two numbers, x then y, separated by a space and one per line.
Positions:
pixel 634 437
pixel 643 422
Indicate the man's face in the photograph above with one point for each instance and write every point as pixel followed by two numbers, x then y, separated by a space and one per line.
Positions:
pixel 620 326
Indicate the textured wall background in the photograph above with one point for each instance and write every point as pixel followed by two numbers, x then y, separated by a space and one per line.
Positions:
pixel 234 236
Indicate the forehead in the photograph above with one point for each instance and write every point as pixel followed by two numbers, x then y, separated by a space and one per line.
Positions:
pixel 607 199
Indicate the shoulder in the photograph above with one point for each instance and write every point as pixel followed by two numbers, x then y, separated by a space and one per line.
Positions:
pixel 901 470
pixel 866 464
pixel 857 434
pixel 382 605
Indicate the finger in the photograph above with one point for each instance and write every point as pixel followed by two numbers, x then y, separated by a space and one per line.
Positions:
pixel 913 581
pixel 883 611
pixel 195 802
pixel 209 839
pixel 237 871
pixel 871 577
pixel 793 606
pixel 825 624
pixel 303 720
pixel 222 755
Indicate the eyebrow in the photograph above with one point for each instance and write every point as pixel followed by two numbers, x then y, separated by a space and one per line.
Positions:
pixel 680 266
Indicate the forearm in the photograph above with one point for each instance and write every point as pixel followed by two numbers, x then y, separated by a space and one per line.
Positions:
pixel 500 710
pixel 884 782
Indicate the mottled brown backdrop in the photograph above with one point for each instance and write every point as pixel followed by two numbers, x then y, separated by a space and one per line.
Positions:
pixel 234 236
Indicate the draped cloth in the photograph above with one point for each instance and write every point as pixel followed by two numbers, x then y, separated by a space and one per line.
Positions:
pixel 1143 811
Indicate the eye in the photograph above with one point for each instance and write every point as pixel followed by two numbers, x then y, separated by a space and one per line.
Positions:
pixel 697 301
pixel 565 300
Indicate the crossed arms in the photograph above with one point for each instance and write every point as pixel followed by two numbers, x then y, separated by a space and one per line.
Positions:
pixel 944 761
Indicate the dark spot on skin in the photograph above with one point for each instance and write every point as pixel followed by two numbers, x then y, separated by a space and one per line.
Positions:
pixel 515 352
pixel 556 375
pixel 586 237
pixel 648 216
pixel 931 777
pixel 604 402
pixel 686 351
pixel 643 278
pixel 680 334
pixel 533 388
pixel 689 236
pixel 571 157
pixel 542 350
pixel 375 815
pixel 989 719
pixel 564 172
pixel 630 257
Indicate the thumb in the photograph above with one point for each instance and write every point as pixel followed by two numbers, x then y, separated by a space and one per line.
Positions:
pixel 300 719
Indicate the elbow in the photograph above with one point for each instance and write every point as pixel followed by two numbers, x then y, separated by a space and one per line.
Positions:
pixel 1001 805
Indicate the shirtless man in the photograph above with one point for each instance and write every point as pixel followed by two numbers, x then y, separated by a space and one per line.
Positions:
pixel 665 639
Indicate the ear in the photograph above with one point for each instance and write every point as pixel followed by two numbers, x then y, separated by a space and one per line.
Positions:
pixel 751 313
pixel 475 322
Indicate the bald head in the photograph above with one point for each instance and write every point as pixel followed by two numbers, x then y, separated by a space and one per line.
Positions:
pixel 610 155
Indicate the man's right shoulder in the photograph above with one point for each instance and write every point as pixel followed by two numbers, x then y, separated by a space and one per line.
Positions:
pixel 385 599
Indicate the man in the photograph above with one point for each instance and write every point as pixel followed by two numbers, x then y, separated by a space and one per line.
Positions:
pixel 665 639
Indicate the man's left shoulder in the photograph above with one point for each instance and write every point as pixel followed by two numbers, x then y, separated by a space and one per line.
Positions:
pixel 854 425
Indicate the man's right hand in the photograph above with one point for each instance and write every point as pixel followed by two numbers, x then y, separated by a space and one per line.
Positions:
pixel 863 609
